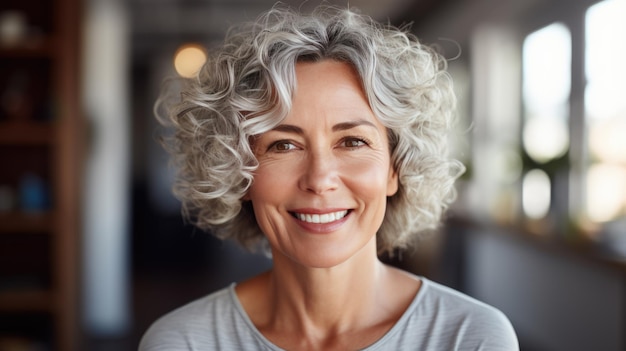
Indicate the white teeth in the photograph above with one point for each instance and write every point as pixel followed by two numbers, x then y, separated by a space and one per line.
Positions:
pixel 323 218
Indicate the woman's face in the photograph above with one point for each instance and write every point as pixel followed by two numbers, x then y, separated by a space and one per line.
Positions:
pixel 324 174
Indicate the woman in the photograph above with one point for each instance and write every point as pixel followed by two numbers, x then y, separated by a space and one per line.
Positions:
pixel 323 136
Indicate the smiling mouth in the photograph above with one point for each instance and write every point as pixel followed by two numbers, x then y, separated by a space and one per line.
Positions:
pixel 320 218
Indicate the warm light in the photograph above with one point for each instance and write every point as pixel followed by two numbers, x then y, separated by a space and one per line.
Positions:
pixel 536 194
pixel 606 192
pixel 188 60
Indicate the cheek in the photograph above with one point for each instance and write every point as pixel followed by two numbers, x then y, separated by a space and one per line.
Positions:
pixel 369 177
pixel 367 169
pixel 264 194
pixel 271 185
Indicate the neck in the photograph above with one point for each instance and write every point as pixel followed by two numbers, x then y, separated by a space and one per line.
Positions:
pixel 326 298
pixel 348 306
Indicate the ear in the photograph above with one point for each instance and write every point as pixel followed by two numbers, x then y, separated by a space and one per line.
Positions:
pixel 392 181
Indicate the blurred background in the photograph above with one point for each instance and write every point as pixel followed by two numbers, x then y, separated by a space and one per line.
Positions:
pixel 92 245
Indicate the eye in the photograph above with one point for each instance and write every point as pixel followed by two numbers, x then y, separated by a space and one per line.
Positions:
pixel 281 146
pixel 353 143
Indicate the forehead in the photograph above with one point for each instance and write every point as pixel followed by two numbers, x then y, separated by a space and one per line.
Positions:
pixel 328 75
pixel 330 68
pixel 325 86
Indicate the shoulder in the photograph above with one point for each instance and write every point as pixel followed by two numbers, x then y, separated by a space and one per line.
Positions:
pixel 472 322
pixel 195 323
pixel 441 318
pixel 452 302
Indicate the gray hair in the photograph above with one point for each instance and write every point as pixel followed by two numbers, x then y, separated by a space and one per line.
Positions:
pixel 246 88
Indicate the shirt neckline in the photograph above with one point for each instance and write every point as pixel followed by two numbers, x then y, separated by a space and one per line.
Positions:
pixel 378 343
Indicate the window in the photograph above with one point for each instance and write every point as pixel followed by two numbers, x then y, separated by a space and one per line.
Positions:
pixel 546 64
pixel 569 134
pixel 605 111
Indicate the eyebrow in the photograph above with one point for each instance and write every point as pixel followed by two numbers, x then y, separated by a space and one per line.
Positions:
pixel 289 128
pixel 352 124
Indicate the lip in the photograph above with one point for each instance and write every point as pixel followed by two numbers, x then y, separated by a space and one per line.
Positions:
pixel 320 228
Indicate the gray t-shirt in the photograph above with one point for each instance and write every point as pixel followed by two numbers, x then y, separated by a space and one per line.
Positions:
pixel 438 319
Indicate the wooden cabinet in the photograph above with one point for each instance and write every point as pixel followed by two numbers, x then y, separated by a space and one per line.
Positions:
pixel 40 164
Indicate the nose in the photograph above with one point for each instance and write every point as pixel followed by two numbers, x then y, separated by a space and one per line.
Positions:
pixel 320 173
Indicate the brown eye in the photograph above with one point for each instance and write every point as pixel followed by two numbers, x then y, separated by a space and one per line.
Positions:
pixel 282 146
pixel 353 143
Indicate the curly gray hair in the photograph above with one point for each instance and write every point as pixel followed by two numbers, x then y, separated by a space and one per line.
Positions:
pixel 246 88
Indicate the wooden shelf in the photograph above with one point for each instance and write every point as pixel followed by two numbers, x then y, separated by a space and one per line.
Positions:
pixel 26 133
pixel 41 133
pixel 26 300
pixel 34 47
pixel 18 222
